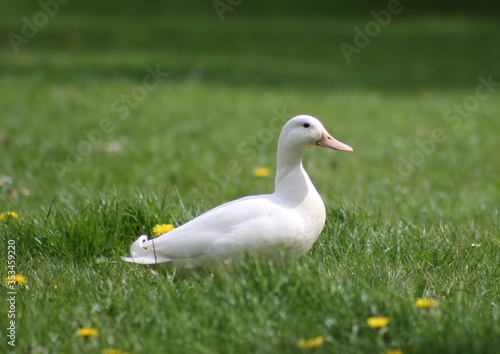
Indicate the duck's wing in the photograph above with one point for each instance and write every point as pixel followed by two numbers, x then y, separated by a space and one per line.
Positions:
pixel 221 231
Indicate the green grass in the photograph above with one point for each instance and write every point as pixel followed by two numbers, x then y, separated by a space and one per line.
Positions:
pixel 389 239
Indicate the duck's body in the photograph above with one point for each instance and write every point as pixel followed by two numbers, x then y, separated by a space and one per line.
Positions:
pixel 291 218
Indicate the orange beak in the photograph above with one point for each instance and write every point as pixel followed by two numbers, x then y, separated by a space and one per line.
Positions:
pixel 327 141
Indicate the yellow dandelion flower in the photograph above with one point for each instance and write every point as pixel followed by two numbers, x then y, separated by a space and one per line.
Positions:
pixel 55 286
pixel 87 332
pixel 378 321
pixel 425 303
pixel 261 172
pixel 393 351
pixel 18 279
pixel 113 351
pixel 311 343
pixel 161 229
pixel 9 214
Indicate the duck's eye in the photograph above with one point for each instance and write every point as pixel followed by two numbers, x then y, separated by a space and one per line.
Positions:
pixel 306 125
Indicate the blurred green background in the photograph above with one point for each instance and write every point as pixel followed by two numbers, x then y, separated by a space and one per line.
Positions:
pixel 227 75
pixel 94 152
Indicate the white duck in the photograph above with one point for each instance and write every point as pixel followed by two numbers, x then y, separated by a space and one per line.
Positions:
pixel 291 218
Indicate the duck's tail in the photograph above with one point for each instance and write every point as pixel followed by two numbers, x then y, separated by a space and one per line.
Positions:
pixel 145 254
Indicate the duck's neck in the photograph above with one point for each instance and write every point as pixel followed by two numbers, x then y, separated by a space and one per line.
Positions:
pixel 292 181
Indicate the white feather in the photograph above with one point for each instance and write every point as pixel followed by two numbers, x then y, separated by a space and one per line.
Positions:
pixel 292 217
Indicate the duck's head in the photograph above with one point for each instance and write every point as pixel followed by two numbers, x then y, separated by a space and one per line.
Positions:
pixel 304 132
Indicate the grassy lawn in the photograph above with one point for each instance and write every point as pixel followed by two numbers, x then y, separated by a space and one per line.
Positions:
pixel 113 123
